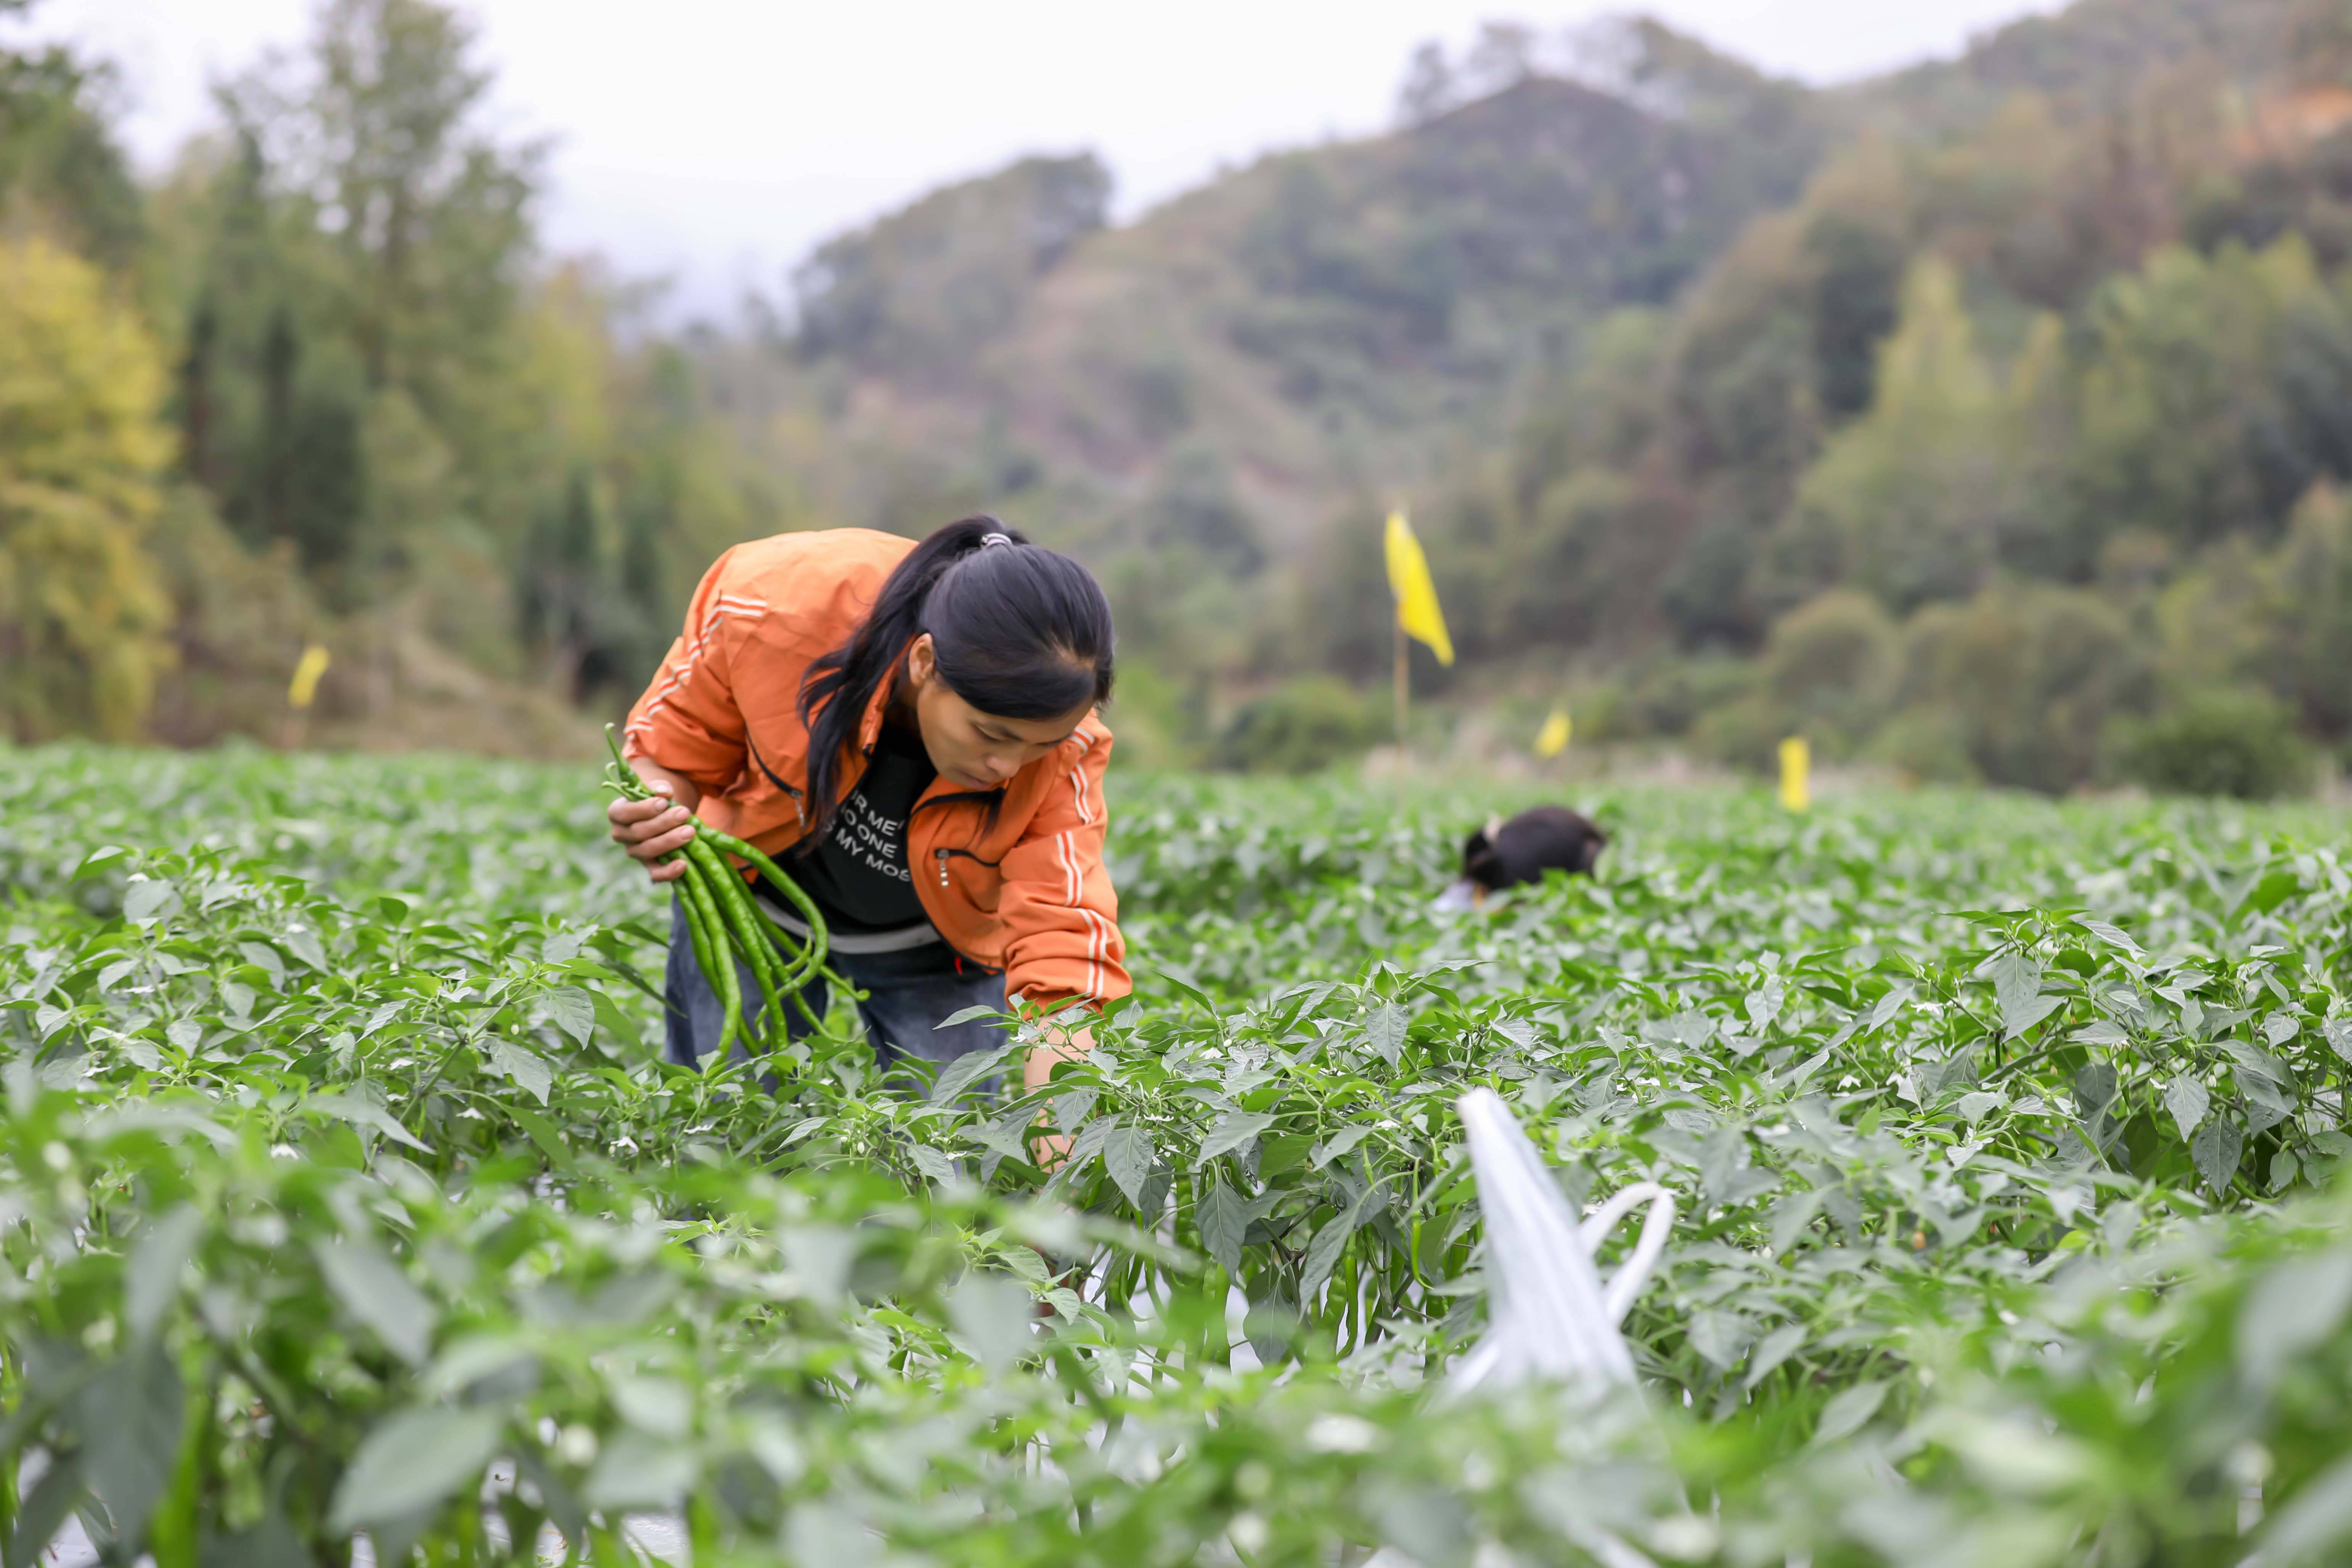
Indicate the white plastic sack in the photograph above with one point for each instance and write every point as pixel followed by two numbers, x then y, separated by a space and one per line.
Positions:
pixel 1548 1313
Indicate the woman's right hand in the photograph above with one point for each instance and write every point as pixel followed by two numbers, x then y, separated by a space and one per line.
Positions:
pixel 648 830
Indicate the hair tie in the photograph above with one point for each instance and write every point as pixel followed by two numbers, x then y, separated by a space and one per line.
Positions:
pixel 986 540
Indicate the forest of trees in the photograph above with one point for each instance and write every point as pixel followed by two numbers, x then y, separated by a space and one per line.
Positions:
pixel 1991 420
pixel 320 384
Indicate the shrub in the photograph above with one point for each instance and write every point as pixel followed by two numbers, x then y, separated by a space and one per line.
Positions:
pixel 1301 726
pixel 1744 733
pixel 1667 696
pixel 2236 743
pixel 1832 664
pixel 2031 674
pixel 1926 744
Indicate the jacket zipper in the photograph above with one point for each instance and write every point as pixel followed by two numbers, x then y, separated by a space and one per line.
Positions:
pixel 941 857
pixel 778 783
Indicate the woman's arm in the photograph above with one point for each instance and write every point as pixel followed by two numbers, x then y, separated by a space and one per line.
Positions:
pixel 1057 909
pixel 1061 913
pixel 1038 1069
pixel 688 716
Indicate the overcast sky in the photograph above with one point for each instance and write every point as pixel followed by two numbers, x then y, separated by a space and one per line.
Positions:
pixel 715 141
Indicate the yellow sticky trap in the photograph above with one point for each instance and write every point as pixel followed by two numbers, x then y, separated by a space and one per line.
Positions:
pixel 1795 773
pixel 304 688
pixel 1552 739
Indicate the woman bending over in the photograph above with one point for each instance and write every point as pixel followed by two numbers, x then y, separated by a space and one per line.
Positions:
pixel 910 730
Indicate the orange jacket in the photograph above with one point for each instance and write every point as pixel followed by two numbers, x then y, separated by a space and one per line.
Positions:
pixel 1024 890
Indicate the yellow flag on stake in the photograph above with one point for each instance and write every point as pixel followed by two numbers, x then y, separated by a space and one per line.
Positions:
pixel 1795 773
pixel 308 670
pixel 1552 739
pixel 1416 595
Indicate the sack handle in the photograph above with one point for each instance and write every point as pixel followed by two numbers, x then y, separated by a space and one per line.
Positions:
pixel 1617 1299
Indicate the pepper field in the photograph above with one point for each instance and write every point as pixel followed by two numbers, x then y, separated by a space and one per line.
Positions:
pixel 342 1193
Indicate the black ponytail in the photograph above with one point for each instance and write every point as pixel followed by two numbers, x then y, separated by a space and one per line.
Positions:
pixel 1020 631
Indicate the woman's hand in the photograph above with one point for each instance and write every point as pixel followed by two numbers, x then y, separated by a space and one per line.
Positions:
pixel 1052 1148
pixel 648 830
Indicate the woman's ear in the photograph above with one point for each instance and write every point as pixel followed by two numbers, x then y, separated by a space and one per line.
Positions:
pixel 923 661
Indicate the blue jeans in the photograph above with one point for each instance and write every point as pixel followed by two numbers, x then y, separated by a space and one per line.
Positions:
pixel 907 993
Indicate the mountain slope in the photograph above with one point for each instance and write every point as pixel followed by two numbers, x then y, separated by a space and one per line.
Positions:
pixel 1338 318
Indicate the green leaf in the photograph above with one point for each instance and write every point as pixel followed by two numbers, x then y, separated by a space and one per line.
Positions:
pixel 2094 1088
pixel 152 1273
pixel 1270 1325
pixel 1339 1146
pixel 304 944
pixel 618 1027
pixel 372 1288
pixel 2114 936
pixel 132 1417
pixel 2273 890
pixel 270 1543
pixel 2215 1150
pixel 2187 1101
pixel 662 1406
pixel 1384 1033
pixel 2017 988
pixel 1722 1337
pixel 99 859
pixel 415 1459
pixel 968 1015
pixel 143 901
pixel 1178 976
pixel 472 1359
pixel 43 1511
pixel 543 1133
pixel 1849 1412
pixel 574 1013
pixel 1323 1252
pixel 1792 1216
pixel 1231 1130
pixel 968 1070
pixel 1222 1225
pixel 565 1510
pixel 1977 1106
pixel 994 1315
pixel 1128 1156
pixel 2314 1522
pixel 1089 1140
pixel 523 1066
pixel 367 1114
pixel 1777 1347
pixel 2262 1092
pixel 2294 1308
pixel 639 1471
pixel 264 957
pixel 2016 1021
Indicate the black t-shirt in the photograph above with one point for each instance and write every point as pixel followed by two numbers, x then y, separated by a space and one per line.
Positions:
pixel 859 876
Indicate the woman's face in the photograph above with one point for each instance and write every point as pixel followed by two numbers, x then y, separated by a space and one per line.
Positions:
pixel 972 749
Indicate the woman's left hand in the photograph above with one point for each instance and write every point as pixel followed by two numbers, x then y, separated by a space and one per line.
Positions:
pixel 1052 1148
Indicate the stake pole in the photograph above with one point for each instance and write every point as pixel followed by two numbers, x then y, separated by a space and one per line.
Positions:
pixel 1403 667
